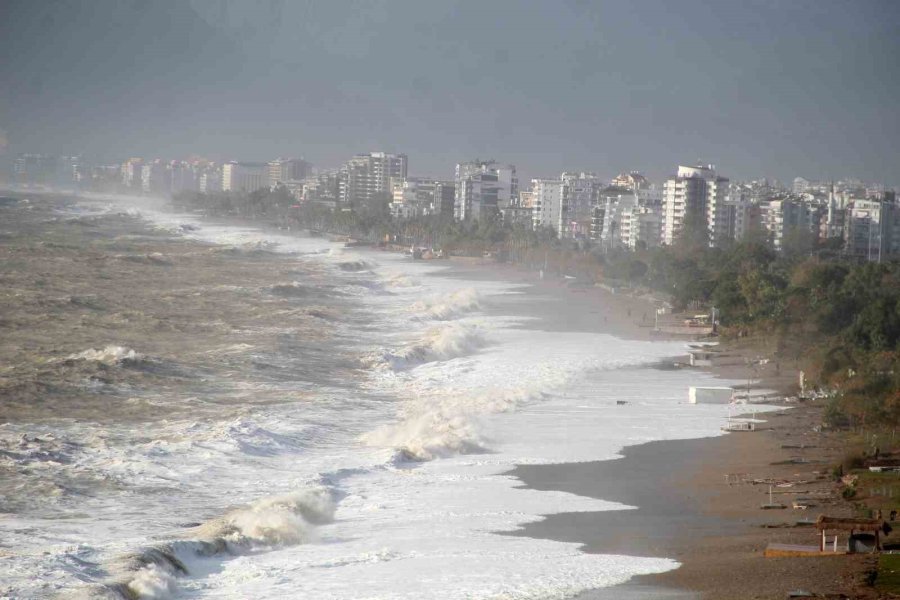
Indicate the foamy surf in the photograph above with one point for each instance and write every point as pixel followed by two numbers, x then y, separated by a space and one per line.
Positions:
pixel 110 355
pixel 436 344
pixel 413 452
pixel 153 573
pixel 456 304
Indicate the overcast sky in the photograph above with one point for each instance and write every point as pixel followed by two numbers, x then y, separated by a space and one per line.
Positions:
pixel 765 87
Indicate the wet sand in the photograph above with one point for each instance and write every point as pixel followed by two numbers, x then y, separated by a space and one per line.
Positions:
pixel 695 502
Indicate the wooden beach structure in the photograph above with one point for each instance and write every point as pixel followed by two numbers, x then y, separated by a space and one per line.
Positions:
pixel 859 530
pixel 863 536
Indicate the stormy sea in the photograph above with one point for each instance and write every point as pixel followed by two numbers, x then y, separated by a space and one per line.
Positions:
pixel 199 409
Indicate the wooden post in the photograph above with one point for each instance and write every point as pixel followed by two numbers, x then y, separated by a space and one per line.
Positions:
pixel 834 548
pixel 822 542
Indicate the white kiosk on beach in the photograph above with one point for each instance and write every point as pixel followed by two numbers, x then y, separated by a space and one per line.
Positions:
pixel 710 395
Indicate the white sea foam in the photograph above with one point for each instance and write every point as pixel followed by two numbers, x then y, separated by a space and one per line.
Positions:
pixel 279 520
pixel 110 355
pixel 451 306
pixel 436 344
pixel 271 522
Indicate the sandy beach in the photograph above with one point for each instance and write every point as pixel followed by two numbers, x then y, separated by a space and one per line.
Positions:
pixel 693 497
pixel 691 504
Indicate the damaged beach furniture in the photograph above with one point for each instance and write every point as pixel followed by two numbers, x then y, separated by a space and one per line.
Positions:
pixel 864 537
pixel 771 504
pixel 739 425
pixel 864 534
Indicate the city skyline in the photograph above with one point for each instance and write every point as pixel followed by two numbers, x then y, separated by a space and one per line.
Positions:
pixel 761 89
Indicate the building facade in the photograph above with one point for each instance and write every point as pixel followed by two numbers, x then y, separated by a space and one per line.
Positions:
pixel 695 194
pixel 550 205
pixel 282 170
pixel 483 190
pixel 244 176
pixel 365 180
pixel 583 190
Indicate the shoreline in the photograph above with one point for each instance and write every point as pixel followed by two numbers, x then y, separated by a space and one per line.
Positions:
pixel 685 510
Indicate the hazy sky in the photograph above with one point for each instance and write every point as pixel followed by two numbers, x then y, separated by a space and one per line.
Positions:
pixel 779 88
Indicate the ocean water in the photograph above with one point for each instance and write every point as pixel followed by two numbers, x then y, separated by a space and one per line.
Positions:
pixel 367 462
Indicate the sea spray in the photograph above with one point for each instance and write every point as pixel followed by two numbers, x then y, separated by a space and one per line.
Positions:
pixel 438 343
pixel 110 355
pixel 448 307
pixel 436 427
pixel 268 523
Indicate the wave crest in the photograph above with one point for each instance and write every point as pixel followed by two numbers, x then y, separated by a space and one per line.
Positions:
pixel 111 355
pixel 448 307
pixel 438 428
pixel 285 520
pixel 440 343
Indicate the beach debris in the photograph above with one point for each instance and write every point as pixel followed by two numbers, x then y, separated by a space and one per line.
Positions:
pixel 771 504
pixel 739 425
pixel 802 503
pixel 850 479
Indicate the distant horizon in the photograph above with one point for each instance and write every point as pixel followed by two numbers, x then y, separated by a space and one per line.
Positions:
pixel 108 161
pixel 758 88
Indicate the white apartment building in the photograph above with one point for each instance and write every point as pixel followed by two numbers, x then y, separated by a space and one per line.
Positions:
pixel 131 172
pixel 698 191
pixel 244 176
pixel 872 230
pixel 421 196
pixel 210 180
pixel 483 189
pixel 282 170
pixel 583 192
pixel 366 178
pixel 550 205
pixel 640 226
pixel 783 216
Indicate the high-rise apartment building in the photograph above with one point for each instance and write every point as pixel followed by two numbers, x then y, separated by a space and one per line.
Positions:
pixel 583 190
pixel 550 202
pixel 785 216
pixel 44 169
pixel 282 170
pixel 695 195
pixel 483 189
pixel 416 196
pixel 365 180
pixel 131 172
pixel 244 176
pixel 872 230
